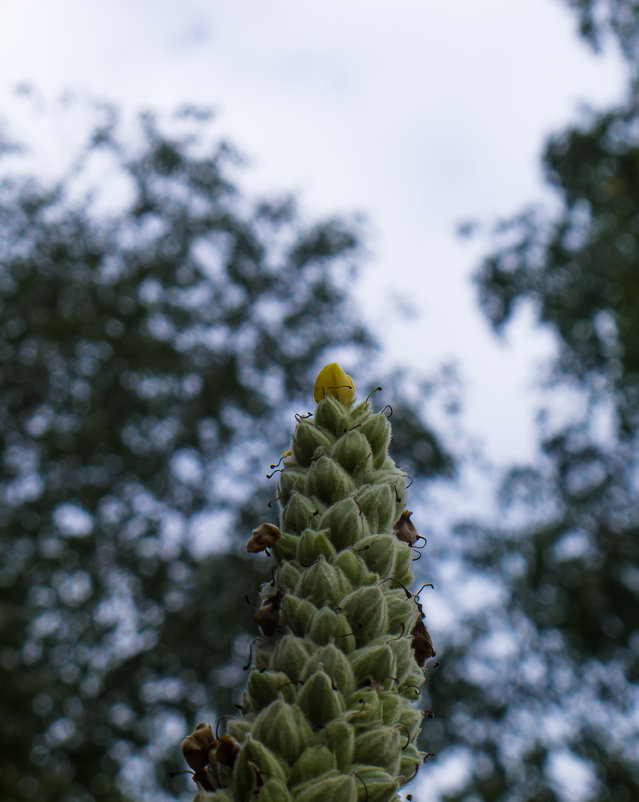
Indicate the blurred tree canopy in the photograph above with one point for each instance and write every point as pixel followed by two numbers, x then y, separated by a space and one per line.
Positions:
pixel 541 687
pixel 151 358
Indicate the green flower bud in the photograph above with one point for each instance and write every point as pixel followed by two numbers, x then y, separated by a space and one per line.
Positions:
pixel 332 415
pixel 392 705
pixel 379 746
pixel 363 708
pixel 290 656
pixel 337 666
pixel 239 728
pixel 311 544
pixel 339 737
pixel 299 513
pixel 380 554
pixel 377 502
pixel 327 481
pixel 319 701
pixel 412 719
pixel 377 430
pixel 286 547
pixel 365 609
pixel 354 568
pixel 401 611
pixel 284 730
pixel 307 441
pixel 314 763
pixel 351 451
pixel 410 761
pixel 298 613
pixel 405 659
pixel 273 791
pixel 255 763
pixel 374 785
pixel 337 787
pixel 328 625
pixel 291 481
pixel 288 575
pixel 264 687
pixel 373 663
pixel 346 523
pixel 323 582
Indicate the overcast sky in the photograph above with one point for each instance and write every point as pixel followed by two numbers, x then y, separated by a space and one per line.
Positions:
pixel 420 114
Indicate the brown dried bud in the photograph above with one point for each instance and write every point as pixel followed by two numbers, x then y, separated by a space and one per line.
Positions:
pixel 262 538
pixel 404 529
pixel 268 615
pixel 196 747
pixel 227 750
pixel 422 643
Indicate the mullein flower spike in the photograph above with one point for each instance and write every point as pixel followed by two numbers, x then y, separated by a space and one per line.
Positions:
pixel 328 712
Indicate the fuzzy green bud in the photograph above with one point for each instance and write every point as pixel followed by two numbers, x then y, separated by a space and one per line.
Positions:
pixel 284 730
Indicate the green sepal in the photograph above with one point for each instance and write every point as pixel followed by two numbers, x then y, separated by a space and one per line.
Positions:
pixel 400 611
pixel 376 663
pixel 378 502
pixel 337 666
pixel 298 613
pixel 319 702
pixel 377 430
pixel 291 481
pixel 336 787
pixel 381 747
pixel 354 568
pixel 212 796
pixel 290 656
pixel 379 553
pixel 288 575
pixel 405 659
pixel 411 684
pixel 410 760
pixel 327 625
pixel 311 765
pixel 240 727
pixel 263 687
pixel 346 522
pixel 363 708
pixel 375 784
pixel 286 547
pixel 365 609
pixel 332 415
pixel 311 544
pixel 351 451
pixel 411 718
pixel 323 582
pixel 266 761
pixel 273 791
pixel 339 737
pixel 391 706
pixel 327 481
pixel 299 513
pixel 404 557
pixel 307 439
pixel 283 729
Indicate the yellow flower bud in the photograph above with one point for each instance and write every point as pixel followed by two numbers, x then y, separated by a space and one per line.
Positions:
pixel 331 380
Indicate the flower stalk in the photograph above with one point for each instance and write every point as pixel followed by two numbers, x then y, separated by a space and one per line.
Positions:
pixel 329 709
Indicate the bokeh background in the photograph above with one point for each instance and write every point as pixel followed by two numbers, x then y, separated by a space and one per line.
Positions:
pixel 202 203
